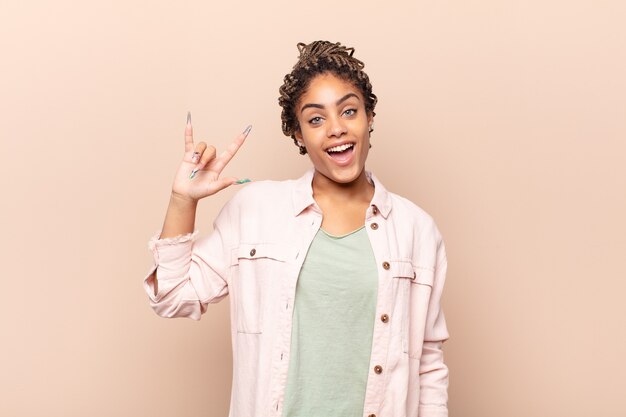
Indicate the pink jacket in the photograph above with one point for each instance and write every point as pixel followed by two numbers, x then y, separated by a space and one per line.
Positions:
pixel 255 253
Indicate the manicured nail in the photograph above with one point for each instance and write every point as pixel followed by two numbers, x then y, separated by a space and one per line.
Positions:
pixel 196 157
pixel 193 173
pixel 188 118
pixel 243 181
pixel 247 130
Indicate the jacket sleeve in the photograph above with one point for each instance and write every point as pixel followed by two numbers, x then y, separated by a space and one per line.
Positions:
pixel 189 273
pixel 433 371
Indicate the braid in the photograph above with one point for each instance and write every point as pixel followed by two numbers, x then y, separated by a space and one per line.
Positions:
pixel 317 58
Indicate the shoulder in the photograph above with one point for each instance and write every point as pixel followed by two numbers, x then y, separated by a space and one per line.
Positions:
pixel 405 214
pixel 261 195
pixel 263 190
pixel 413 224
pixel 409 208
pixel 408 212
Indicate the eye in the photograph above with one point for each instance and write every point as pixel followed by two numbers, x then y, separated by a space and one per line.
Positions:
pixel 316 120
pixel 350 112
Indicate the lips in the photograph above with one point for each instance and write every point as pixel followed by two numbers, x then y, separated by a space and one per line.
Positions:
pixel 341 154
pixel 340 148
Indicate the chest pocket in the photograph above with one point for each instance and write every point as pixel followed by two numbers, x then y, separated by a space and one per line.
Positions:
pixel 415 286
pixel 256 273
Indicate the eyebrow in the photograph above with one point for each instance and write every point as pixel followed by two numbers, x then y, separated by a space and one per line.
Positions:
pixel 319 106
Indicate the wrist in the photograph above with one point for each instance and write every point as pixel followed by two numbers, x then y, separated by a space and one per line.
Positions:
pixel 183 201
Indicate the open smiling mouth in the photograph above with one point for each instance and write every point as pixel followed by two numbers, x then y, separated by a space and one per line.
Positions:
pixel 341 153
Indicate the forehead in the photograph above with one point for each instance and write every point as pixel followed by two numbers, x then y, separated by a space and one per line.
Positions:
pixel 326 89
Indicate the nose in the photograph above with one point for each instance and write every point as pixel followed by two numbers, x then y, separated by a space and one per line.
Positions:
pixel 335 127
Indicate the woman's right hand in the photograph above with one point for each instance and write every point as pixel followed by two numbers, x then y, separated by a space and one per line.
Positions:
pixel 206 180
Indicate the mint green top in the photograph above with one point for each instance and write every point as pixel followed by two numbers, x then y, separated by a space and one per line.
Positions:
pixel 333 322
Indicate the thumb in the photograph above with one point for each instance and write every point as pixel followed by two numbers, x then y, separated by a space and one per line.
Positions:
pixel 222 183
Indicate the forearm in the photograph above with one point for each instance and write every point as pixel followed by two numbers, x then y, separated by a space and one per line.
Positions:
pixel 178 284
pixel 180 217
pixel 179 220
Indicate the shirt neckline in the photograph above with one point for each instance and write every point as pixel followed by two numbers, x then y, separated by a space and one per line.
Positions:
pixel 341 236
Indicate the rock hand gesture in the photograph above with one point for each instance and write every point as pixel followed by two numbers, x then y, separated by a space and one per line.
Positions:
pixel 197 177
pixel 199 173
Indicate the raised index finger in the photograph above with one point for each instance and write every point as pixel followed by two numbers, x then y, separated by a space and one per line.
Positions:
pixel 225 157
pixel 188 134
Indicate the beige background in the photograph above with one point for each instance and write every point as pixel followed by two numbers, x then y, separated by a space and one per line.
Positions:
pixel 504 120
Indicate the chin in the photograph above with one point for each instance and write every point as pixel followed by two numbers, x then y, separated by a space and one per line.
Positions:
pixel 344 175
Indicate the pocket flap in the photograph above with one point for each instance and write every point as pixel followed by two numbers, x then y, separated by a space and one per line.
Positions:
pixel 402 269
pixel 274 251
pixel 417 274
pixel 424 276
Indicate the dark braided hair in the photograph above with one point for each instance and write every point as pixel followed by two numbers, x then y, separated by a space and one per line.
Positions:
pixel 317 58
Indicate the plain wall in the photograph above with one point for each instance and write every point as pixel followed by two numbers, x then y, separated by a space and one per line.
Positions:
pixel 504 120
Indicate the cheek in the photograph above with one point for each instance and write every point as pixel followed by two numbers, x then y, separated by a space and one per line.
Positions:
pixel 307 133
pixel 312 137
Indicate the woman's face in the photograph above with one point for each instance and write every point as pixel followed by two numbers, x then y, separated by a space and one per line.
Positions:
pixel 334 127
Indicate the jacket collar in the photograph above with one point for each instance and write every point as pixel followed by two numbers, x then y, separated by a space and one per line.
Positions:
pixel 303 193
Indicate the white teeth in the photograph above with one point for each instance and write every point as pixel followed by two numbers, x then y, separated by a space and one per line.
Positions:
pixel 340 148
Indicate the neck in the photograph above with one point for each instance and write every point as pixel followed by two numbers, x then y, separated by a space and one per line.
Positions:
pixel 358 190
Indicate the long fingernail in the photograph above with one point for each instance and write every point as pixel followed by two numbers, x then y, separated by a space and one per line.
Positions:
pixel 188 118
pixel 247 130
pixel 243 181
pixel 193 173
pixel 196 157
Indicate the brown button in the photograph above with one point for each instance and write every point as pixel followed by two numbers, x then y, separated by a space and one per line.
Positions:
pixel 378 369
pixel 374 210
pixel 372 415
pixel 374 226
pixel 252 252
pixel 386 265
pixel 384 318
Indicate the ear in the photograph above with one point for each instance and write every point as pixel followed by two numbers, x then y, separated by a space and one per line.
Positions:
pixel 298 135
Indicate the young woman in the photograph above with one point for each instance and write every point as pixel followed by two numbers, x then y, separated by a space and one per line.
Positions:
pixel 334 282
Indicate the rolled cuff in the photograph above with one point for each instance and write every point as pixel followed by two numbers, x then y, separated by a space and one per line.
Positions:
pixel 171 254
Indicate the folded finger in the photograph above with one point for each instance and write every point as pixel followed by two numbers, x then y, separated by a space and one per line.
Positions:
pixel 198 152
pixel 208 154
